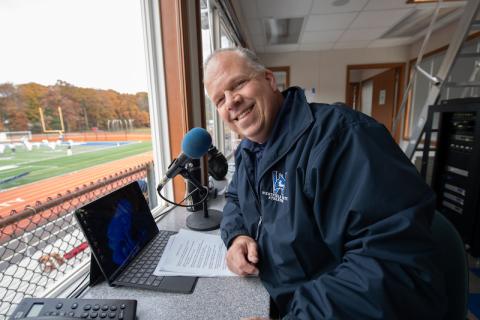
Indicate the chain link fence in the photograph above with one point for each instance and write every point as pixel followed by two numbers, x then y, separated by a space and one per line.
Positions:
pixel 41 246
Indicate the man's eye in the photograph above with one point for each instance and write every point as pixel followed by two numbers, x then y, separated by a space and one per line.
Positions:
pixel 240 84
pixel 220 102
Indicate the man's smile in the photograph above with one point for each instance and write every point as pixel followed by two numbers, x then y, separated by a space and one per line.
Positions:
pixel 244 113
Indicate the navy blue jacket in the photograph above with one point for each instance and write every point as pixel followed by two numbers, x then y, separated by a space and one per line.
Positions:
pixel 345 217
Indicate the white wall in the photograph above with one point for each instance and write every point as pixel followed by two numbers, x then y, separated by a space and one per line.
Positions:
pixel 326 71
pixel 303 66
pixel 367 96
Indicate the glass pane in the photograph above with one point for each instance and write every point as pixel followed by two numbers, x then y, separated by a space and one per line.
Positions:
pixel 73 93
pixel 462 71
pixel 231 139
pixel 420 92
pixel 74 126
pixel 207 45
pixel 281 79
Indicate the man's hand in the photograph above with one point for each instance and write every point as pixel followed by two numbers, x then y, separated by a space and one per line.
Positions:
pixel 242 256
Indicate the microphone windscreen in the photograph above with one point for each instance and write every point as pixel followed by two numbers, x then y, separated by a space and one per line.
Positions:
pixel 196 143
pixel 217 164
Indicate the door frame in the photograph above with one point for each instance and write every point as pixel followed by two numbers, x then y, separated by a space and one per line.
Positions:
pixel 401 80
pixel 285 69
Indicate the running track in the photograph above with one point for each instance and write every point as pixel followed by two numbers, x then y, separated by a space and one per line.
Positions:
pixel 19 197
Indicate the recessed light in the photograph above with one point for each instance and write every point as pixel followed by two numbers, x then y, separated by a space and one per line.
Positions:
pixel 283 31
pixel 339 3
pixel 427 1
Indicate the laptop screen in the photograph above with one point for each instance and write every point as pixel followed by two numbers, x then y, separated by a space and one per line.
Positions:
pixel 117 226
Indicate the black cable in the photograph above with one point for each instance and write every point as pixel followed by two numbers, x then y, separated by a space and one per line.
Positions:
pixel 74 294
pixel 188 195
pixel 162 214
pixel 193 181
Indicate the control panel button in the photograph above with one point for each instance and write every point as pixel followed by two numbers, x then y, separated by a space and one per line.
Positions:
pixel 57 309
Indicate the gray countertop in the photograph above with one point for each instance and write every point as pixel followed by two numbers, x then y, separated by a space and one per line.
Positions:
pixel 213 298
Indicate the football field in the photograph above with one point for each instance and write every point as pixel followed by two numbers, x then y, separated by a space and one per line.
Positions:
pixel 42 161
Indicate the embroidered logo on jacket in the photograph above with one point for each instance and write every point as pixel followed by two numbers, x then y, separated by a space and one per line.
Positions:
pixel 279 187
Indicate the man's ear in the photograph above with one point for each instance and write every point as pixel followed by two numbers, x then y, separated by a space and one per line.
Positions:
pixel 271 79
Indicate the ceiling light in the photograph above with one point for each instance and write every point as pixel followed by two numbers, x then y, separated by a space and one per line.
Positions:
pixel 339 3
pixel 418 21
pixel 426 1
pixel 283 31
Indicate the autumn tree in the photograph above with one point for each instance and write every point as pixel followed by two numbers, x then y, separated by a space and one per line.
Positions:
pixel 82 108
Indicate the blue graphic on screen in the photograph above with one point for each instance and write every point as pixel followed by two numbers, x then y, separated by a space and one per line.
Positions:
pixel 117 226
pixel 119 232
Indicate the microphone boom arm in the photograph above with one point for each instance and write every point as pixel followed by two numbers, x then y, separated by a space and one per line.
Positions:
pixel 185 173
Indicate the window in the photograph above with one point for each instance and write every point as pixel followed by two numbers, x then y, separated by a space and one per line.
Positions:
pixel 77 99
pixel 282 77
pixel 230 138
pixel 73 95
pixel 464 70
pixel 215 35
pixel 207 48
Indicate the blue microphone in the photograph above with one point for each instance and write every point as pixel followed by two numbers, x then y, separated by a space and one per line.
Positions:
pixel 194 145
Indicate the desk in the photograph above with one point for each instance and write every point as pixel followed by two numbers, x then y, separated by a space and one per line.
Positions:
pixel 213 298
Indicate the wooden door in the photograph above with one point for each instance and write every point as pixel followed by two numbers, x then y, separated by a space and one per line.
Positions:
pixel 383 99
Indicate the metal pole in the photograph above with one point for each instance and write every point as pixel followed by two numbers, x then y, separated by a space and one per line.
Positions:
pixel 152 194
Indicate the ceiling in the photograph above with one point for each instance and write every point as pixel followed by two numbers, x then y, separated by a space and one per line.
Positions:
pixel 342 24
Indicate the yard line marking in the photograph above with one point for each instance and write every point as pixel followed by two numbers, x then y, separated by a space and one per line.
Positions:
pixel 11 166
pixel 10 203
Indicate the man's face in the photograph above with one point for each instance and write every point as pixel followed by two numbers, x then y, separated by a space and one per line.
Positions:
pixel 246 100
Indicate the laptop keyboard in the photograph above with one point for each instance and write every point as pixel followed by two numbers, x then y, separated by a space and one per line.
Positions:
pixel 140 271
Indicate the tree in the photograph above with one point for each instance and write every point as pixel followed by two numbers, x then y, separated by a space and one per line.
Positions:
pixel 82 108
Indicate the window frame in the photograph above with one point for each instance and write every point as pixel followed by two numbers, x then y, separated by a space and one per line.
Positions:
pixel 152 30
pixel 408 116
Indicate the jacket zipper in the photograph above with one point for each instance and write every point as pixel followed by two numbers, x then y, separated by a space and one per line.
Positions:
pixel 257 201
pixel 257 233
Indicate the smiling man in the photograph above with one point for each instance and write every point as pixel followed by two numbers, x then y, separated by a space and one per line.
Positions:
pixel 323 204
pixel 252 112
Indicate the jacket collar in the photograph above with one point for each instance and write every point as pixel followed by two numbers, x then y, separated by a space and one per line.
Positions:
pixel 294 117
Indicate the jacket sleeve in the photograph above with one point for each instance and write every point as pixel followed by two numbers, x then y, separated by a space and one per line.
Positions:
pixel 232 222
pixel 371 205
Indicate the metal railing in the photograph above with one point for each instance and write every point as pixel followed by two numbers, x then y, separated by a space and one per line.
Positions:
pixel 42 245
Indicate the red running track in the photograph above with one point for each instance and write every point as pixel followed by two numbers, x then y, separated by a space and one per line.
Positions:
pixel 18 198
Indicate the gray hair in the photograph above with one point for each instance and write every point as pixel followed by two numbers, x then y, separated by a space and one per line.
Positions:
pixel 247 54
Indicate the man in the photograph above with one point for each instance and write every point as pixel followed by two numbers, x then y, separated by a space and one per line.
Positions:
pixel 323 204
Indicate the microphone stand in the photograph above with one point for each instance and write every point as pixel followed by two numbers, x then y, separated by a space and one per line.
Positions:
pixel 203 219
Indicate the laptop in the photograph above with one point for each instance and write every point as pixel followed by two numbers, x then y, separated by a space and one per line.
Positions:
pixel 126 242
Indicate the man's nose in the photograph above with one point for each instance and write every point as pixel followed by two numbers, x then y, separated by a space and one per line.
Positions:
pixel 232 99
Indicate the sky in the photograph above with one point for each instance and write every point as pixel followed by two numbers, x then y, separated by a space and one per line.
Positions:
pixel 87 43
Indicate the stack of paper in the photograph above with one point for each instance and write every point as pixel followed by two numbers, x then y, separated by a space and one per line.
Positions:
pixel 190 253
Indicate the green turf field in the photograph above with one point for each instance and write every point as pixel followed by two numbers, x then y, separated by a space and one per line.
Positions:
pixel 41 163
